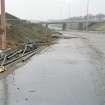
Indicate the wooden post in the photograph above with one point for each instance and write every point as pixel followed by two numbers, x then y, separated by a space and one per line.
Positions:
pixel 2 25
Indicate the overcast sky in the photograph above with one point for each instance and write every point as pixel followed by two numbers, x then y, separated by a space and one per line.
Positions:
pixel 52 9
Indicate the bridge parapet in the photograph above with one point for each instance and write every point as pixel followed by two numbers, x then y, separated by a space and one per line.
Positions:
pixel 73 21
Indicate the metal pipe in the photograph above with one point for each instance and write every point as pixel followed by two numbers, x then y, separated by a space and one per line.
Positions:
pixel 3 61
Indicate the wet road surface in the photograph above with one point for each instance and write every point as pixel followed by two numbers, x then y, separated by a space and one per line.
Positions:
pixel 63 74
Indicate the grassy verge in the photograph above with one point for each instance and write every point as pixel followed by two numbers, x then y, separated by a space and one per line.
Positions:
pixel 18 31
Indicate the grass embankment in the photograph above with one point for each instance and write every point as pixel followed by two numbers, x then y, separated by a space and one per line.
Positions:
pixel 98 27
pixel 18 31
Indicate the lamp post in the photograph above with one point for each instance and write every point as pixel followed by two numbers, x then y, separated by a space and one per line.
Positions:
pixel 87 17
pixel 69 2
pixel 69 12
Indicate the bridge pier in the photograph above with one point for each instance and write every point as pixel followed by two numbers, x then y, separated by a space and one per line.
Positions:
pixel 81 26
pixel 46 27
pixel 64 26
pixel 84 26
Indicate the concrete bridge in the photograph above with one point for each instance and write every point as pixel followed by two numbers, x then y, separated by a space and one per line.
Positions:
pixel 82 24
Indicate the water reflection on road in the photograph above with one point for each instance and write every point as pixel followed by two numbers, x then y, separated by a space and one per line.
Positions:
pixel 60 75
